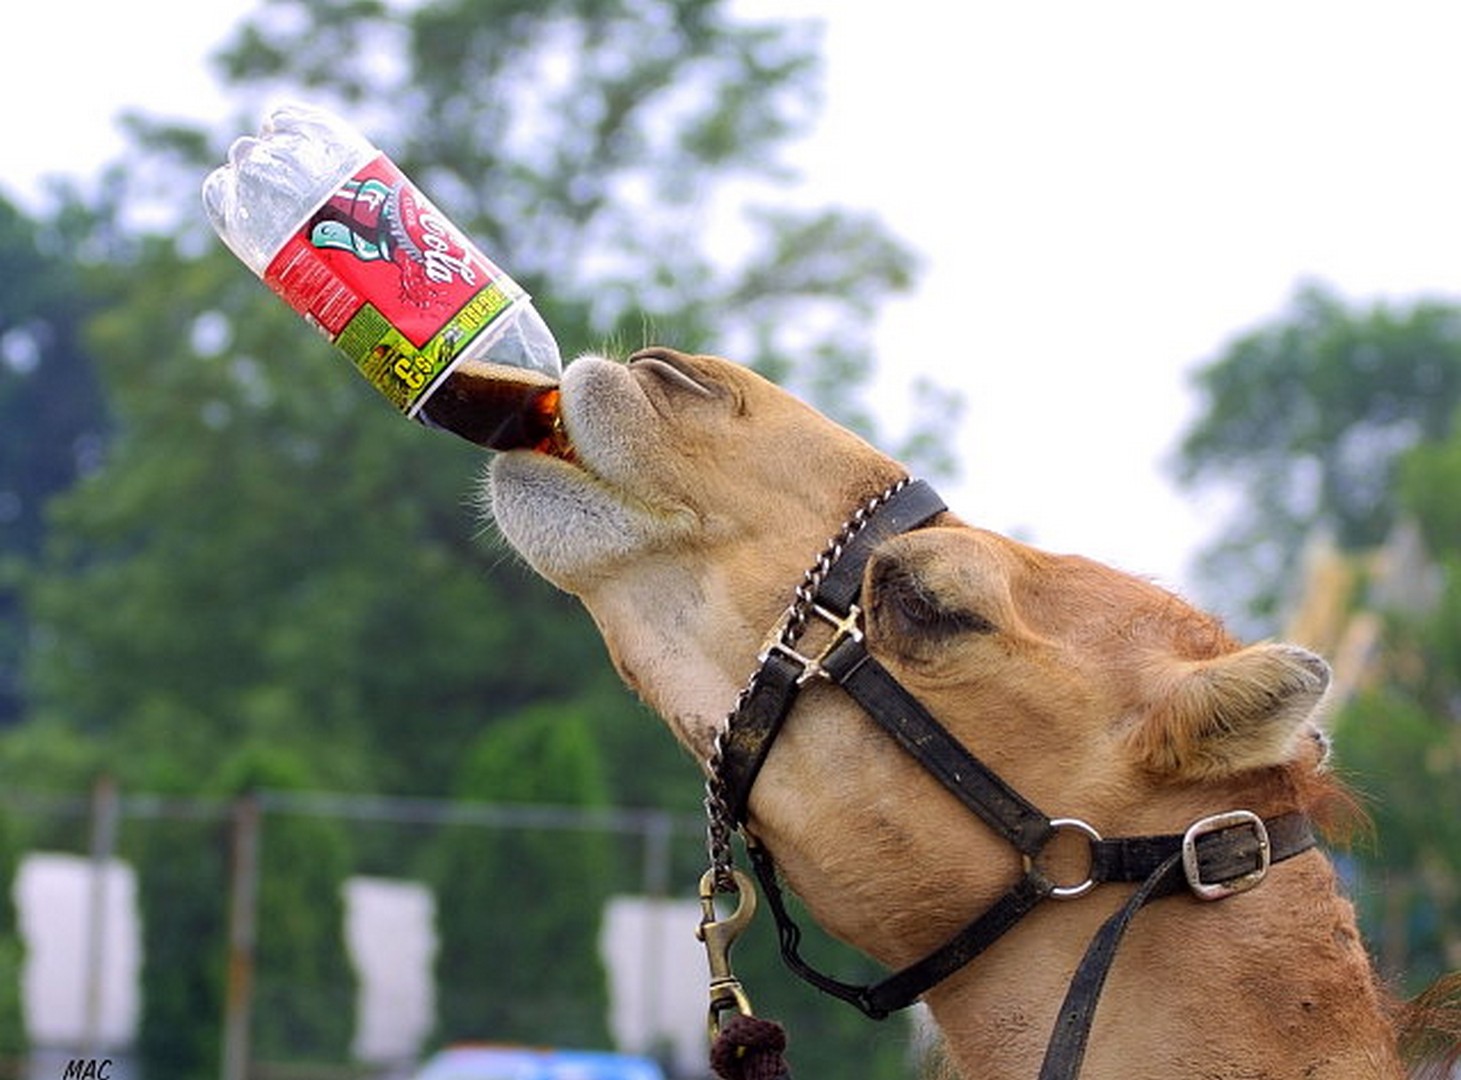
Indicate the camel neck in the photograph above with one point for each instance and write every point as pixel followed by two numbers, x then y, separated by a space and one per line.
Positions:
pixel 1274 982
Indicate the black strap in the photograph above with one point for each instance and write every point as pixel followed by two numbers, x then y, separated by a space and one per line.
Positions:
pixel 904 987
pixel 772 691
pixel 900 714
pixel 1222 855
pixel 1067 1047
pixel 901 989
pixel 910 507
pixel 747 741
pixel 789 932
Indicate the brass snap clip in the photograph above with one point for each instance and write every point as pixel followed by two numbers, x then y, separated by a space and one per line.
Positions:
pixel 719 935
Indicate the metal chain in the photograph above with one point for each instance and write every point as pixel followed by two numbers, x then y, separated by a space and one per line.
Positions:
pixel 718 827
pixel 718 824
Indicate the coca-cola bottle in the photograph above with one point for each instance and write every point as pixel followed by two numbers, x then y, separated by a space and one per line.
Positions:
pixel 333 226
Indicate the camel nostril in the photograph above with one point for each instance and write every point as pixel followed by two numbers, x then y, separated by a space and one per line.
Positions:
pixel 671 368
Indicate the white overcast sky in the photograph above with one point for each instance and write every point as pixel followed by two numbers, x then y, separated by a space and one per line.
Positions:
pixel 1102 195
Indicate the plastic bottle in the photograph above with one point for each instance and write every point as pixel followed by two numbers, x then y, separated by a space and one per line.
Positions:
pixel 332 225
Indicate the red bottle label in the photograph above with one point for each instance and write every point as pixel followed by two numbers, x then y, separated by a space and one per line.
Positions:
pixel 386 277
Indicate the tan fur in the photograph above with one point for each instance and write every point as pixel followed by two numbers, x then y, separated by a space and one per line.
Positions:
pixel 699 495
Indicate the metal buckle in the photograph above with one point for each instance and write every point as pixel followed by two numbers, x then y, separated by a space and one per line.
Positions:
pixel 1067 892
pixel 844 627
pixel 1217 890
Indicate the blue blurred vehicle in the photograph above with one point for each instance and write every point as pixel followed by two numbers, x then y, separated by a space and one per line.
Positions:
pixel 474 1062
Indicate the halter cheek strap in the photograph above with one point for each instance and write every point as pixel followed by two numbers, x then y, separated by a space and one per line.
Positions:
pixel 830 592
pixel 1215 857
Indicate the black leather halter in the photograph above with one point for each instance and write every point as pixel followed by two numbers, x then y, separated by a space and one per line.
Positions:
pixel 1216 856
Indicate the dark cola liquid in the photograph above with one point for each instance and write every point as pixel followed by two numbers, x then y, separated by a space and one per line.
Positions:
pixel 501 408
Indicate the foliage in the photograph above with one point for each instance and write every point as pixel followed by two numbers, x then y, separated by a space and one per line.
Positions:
pixel 1306 416
pixel 52 421
pixel 263 576
pixel 1402 740
pixel 185 866
pixel 52 418
pixel 12 950
pixel 306 988
pixel 513 965
pixel 270 554
pixel 183 903
pixel 1405 754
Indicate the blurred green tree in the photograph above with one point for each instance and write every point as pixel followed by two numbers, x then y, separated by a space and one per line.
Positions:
pixel 12 950
pixel 266 555
pixel 52 417
pixel 512 966
pixel 304 986
pixel 182 865
pixel 1401 738
pixel 1305 417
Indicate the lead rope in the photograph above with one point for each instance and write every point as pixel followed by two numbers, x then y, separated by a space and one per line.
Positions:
pixel 745 1046
pixel 750 1048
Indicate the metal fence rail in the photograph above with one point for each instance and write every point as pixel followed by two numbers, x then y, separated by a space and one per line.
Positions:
pixel 98 826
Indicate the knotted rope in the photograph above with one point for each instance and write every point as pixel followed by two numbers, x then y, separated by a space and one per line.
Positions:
pixel 749 1048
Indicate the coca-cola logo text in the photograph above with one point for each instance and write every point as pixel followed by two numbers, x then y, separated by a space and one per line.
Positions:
pixel 443 258
pixel 442 255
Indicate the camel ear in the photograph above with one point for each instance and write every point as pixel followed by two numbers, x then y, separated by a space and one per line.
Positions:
pixel 1241 711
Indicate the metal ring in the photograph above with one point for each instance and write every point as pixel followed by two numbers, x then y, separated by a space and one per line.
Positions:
pixel 1068 892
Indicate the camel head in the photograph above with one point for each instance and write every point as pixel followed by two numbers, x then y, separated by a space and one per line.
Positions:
pixel 694 497
pixel 697 493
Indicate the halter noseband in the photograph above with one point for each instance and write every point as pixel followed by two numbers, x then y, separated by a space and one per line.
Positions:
pixel 1215 857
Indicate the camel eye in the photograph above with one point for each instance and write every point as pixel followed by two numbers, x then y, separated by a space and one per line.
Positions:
pixel 906 609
